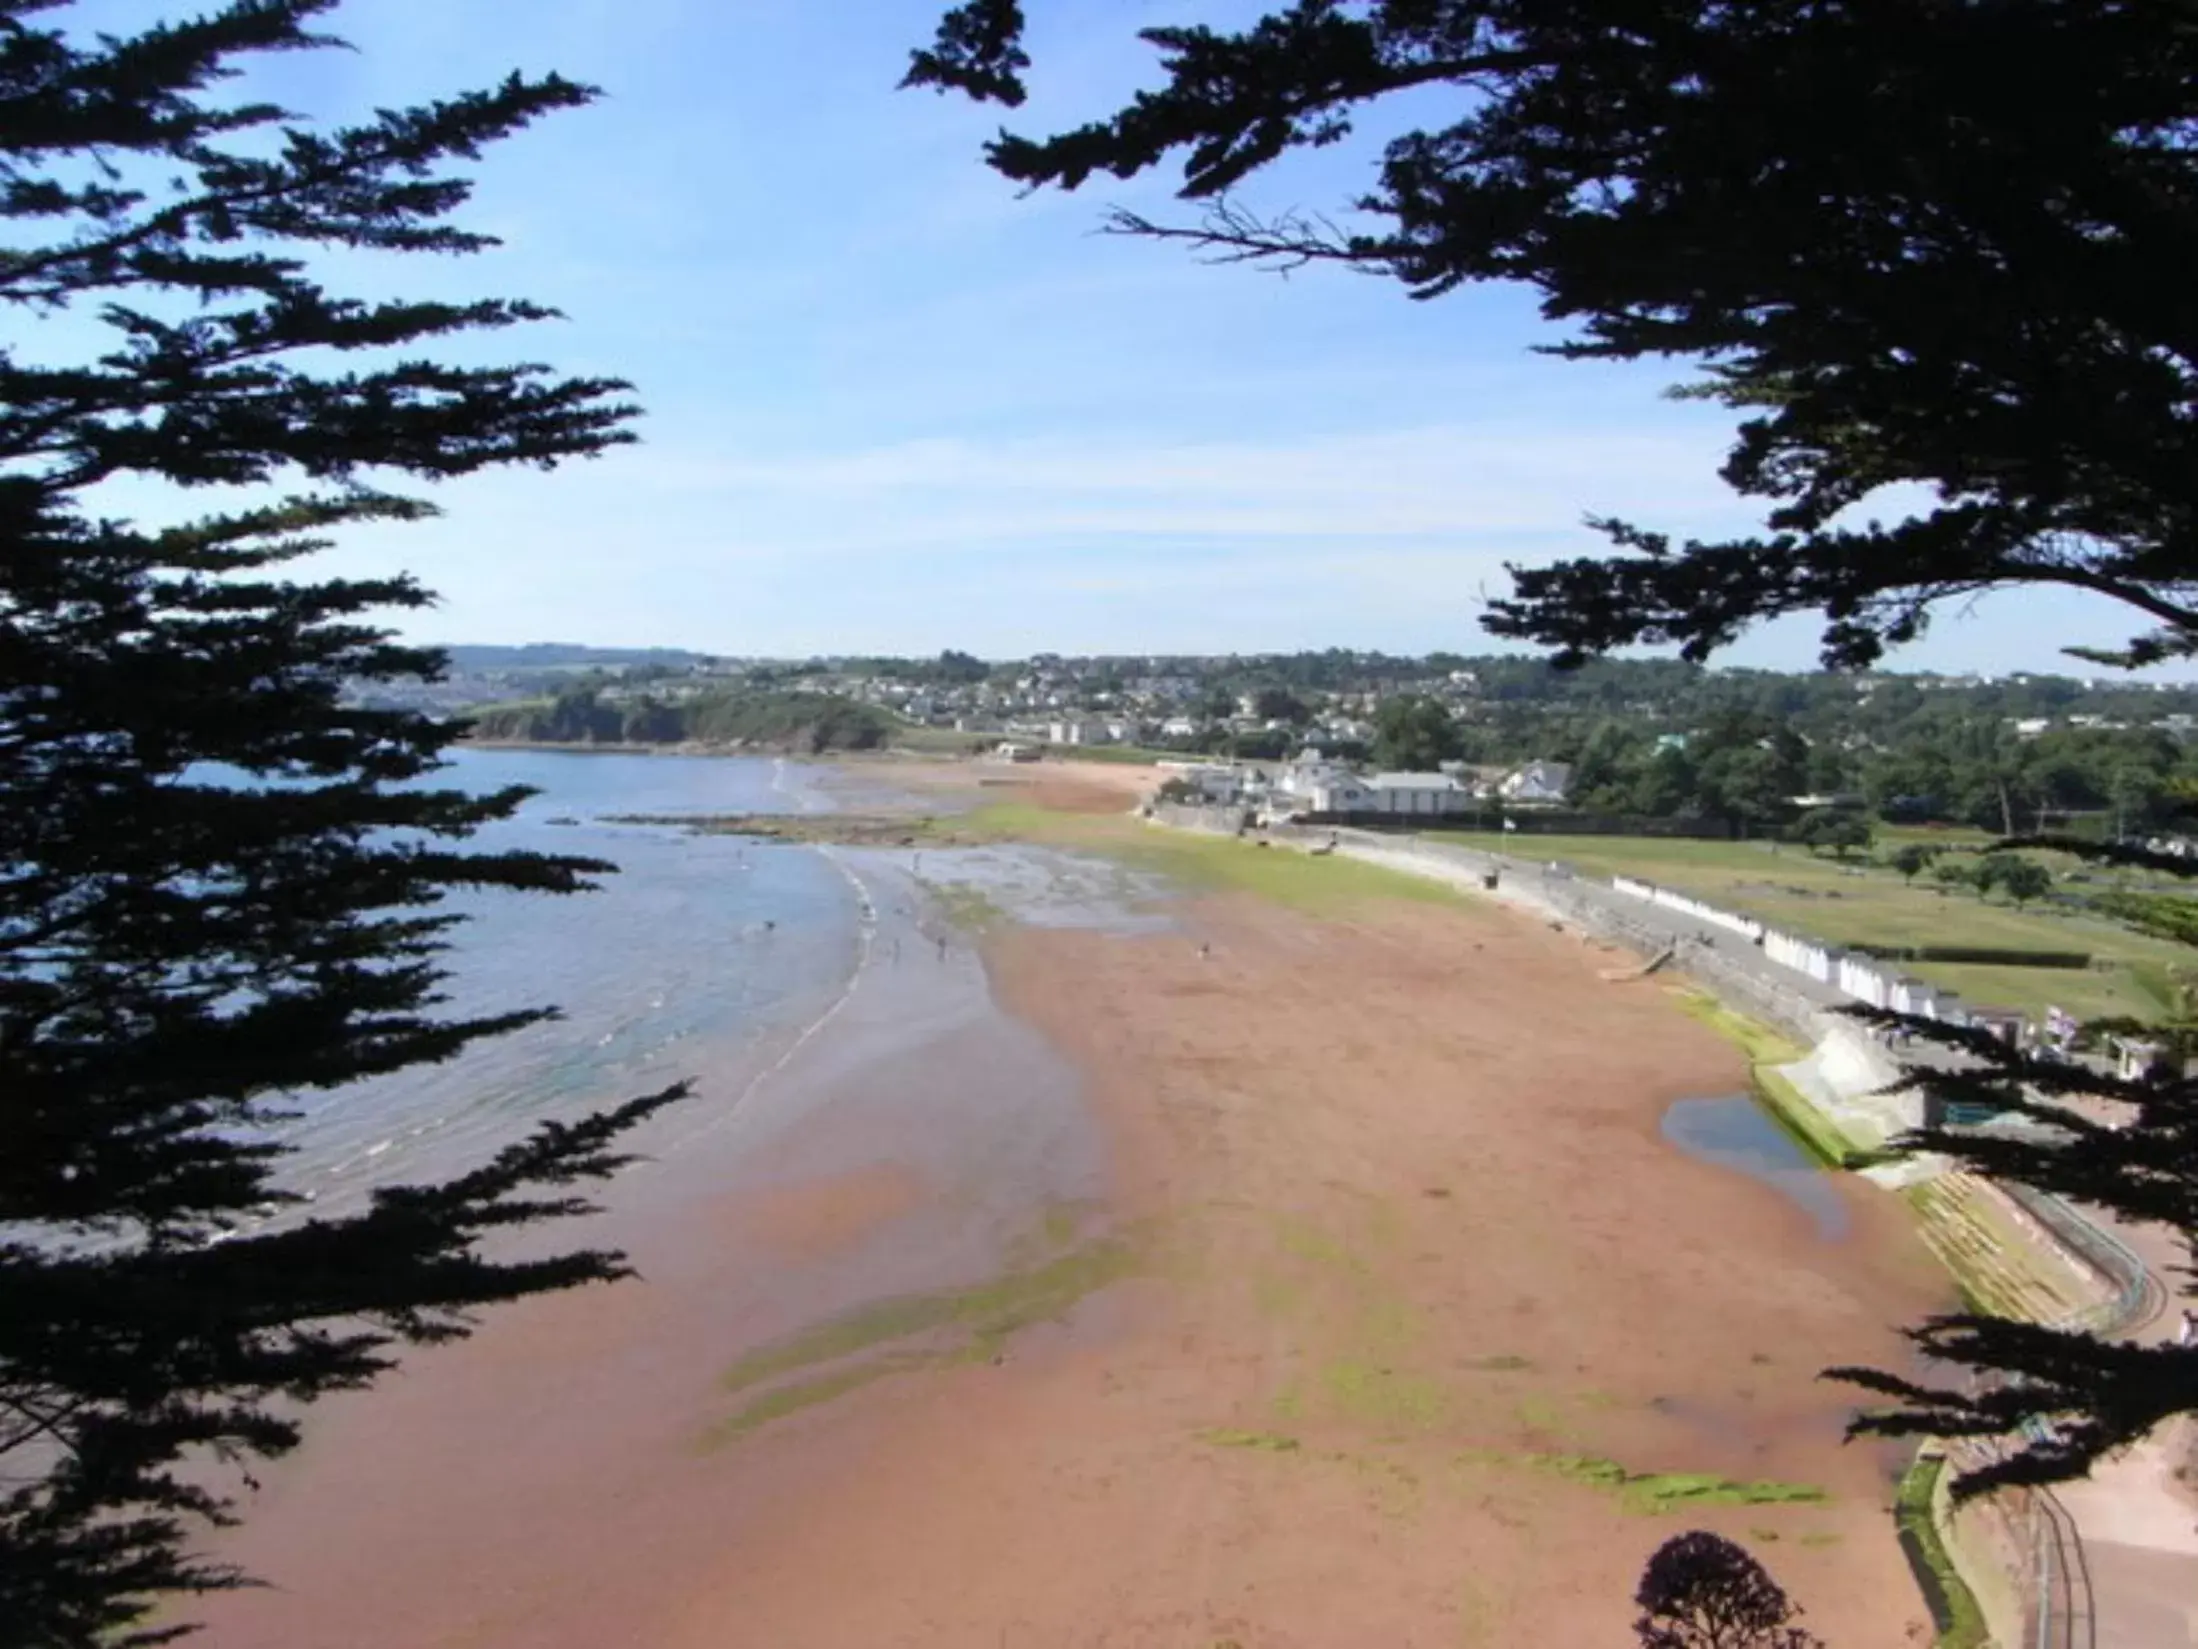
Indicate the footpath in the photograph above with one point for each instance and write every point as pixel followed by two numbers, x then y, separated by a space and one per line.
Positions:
pixel 2110 1562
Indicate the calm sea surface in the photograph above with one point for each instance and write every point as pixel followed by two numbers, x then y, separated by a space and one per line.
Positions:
pixel 692 959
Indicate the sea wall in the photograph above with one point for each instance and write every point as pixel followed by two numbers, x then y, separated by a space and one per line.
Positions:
pixel 1848 972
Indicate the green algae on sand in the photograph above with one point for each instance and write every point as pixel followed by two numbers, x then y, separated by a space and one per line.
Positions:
pixel 950 1327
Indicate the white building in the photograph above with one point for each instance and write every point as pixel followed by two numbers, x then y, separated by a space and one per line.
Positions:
pixel 1418 795
pixel 1537 782
pixel 1311 785
pixel 1218 783
pixel 1079 732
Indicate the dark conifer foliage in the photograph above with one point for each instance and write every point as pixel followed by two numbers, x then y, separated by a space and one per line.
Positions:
pixel 2053 1398
pixel 220 885
pixel 1925 243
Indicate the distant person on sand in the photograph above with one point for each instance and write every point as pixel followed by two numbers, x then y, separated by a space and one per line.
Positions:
pixel 2187 1335
pixel 942 947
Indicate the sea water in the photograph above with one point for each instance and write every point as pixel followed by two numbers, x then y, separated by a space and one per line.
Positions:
pixel 688 961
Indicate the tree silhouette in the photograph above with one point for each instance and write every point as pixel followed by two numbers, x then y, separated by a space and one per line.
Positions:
pixel 1701 1591
pixel 219 880
pixel 1895 241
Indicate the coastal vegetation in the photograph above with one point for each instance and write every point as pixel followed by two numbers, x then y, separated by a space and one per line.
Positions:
pixel 943 1328
pixel 223 876
pixel 732 718
pixel 1656 1494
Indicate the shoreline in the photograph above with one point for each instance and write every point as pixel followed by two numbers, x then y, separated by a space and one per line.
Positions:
pixel 919 1143
pixel 1381 1312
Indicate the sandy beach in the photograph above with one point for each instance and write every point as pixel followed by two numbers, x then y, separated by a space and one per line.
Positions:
pixel 1278 1279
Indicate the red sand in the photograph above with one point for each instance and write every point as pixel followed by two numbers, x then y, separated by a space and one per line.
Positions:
pixel 1410 1225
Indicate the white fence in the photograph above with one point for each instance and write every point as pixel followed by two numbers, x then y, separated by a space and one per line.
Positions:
pixel 1851 974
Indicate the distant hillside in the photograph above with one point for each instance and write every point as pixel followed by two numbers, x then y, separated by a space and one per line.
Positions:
pixel 813 722
pixel 559 655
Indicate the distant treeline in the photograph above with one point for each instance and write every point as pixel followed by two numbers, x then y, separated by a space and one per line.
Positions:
pixel 813 722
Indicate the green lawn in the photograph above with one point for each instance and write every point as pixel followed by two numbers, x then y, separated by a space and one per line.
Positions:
pixel 1954 1609
pixel 1321 886
pixel 1855 904
pixel 1930 835
pixel 939 741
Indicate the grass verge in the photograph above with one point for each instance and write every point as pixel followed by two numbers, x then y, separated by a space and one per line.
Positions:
pixel 1954 1610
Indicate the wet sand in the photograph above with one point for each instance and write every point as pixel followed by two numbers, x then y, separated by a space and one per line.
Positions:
pixel 568 1473
pixel 1306 1289
pixel 1420 1272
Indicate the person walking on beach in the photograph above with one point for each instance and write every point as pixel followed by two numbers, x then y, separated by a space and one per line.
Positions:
pixel 942 947
pixel 2187 1335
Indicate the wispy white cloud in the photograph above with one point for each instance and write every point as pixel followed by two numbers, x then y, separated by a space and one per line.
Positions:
pixel 1466 478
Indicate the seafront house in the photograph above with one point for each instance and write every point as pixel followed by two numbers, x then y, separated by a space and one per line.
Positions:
pixel 1543 783
pixel 1080 732
pixel 1312 784
pixel 1419 795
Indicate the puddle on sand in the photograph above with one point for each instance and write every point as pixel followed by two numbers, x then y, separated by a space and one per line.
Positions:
pixel 1735 1133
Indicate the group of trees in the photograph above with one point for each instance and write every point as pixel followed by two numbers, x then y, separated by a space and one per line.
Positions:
pixel 951 668
pixel 811 722
pixel 1742 767
pixel 1833 830
pixel 2021 879
pixel 1948 768
pixel 1415 734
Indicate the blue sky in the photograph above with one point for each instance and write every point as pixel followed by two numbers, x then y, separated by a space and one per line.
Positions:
pixel 894 407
